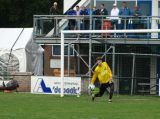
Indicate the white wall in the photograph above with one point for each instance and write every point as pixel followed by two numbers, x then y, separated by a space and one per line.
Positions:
pixel 68 3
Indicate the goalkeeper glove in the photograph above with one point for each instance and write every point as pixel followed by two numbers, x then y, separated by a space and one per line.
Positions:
pixel 91 86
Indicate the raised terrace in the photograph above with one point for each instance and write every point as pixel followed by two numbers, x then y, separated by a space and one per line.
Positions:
pixel 46 33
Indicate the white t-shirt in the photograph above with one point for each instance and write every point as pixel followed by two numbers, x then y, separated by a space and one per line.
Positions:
pixel 114 12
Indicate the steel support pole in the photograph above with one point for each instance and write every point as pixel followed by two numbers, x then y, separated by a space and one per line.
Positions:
pixel 105 51
pixel 62 65
pixel 78 60
pixel 95 2
pixel 90 41
pixel 136 3
pixel 115 1
pixel 113 60
pixel 133 69
pixel 68 60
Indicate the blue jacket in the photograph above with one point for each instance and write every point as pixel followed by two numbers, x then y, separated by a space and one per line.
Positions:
pixel 71 12
pixel 125 11
pixel 84 12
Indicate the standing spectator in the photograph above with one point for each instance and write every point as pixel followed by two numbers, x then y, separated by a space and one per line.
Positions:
pixel 136 19
pixel 77 10
pixel 54 11
pixel 114 16
pixel 71 22
pixel 78 20
pixel 96 20
pixel 85 22
pixel 102 11
pixel 124 13
pixel 95 11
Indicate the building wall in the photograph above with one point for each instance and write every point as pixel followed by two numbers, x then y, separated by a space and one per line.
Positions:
pixel 47 57
pixel 24 81
pixel 48 71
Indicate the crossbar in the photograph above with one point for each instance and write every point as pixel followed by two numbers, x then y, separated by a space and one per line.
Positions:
pixel 111 31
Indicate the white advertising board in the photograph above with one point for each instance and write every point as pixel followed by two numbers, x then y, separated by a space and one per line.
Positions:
pixel 52 85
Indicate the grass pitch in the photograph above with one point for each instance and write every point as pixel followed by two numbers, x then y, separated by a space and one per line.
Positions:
pixel 30 106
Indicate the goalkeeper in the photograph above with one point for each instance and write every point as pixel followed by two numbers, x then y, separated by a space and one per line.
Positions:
pixel 104 74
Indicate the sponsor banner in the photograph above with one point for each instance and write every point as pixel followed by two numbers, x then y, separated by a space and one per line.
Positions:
pixel 52 85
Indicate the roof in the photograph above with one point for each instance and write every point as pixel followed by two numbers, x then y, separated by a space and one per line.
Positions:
pixel 8 37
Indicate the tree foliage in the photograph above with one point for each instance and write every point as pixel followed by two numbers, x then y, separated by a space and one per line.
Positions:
pixel 19 13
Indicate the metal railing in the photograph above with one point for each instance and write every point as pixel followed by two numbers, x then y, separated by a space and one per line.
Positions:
pixel 50 25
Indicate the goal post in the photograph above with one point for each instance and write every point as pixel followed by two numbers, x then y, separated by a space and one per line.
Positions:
pixel 62 64
pixel 63 32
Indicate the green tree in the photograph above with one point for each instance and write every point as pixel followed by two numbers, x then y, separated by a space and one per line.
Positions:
pixel 19 13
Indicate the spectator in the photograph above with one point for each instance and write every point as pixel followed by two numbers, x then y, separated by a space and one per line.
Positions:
pixel 95 11
pixel 114 16
pixel 124 13
pixel 102 11
pixel 71 22
pixel 77 10
pixel 78 20
pixel 85 21
pixel 54 11
pixel 96 20
pixel 136 20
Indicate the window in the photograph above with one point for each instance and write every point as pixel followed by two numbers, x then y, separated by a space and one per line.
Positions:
pixel 56 50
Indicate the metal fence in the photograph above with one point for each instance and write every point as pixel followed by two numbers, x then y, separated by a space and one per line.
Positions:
pixel 51 26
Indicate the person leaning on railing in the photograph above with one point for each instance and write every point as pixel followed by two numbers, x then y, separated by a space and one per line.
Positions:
pixel 136 17
pixel 124 12
pixel 85 22
pixel 114 16
pixel 103 11
pixel 136 20
pixel 78 20
pixel 71 22
pixel 96 20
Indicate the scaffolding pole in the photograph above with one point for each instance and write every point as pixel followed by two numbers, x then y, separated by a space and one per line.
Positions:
pixel 113 61
pixel 133 69
pixel 90 43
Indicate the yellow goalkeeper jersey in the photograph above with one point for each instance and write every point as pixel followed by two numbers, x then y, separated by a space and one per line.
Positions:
pixel 103 72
